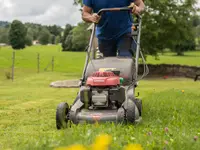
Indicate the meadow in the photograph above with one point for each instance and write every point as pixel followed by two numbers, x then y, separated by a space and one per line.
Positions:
pixel 27 105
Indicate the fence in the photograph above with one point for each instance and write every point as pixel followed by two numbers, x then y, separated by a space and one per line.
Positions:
pixel 36 66
pixel 40 60
pixel 18 63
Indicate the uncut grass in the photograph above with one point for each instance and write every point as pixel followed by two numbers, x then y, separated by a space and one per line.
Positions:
pixel 27 112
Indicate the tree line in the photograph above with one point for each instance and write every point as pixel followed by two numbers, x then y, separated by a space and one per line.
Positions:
pixel 167 24
pixel 18 35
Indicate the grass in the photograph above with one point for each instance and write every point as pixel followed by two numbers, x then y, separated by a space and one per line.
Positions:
pixel 190 58
pixel 27 112
pixel 28 105
pixel 26 61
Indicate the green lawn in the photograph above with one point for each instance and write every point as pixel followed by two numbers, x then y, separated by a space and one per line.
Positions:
pixel 190 58
pixel 70 63
pixel 27 112
pixel 28 105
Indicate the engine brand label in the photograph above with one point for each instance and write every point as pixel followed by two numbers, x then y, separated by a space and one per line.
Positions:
pixel 107 69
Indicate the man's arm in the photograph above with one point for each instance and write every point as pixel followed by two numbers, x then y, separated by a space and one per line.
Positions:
pixel 139 7
pixel 88 16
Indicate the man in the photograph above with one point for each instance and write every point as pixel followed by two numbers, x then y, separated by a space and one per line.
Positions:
pixel 113 28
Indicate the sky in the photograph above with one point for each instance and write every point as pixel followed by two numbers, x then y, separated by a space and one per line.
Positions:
pixel 46 12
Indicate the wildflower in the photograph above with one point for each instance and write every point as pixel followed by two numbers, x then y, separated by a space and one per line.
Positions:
pixel 183 91
pixel 195 138
pixel 73 147
pixel 102 142
pixel 133 147
pixel 166 142
pixel 166 129
pixel 149 133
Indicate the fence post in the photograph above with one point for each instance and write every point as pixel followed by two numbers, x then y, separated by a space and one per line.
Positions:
pixel 38 62
pixel 52 63
pixel 13 65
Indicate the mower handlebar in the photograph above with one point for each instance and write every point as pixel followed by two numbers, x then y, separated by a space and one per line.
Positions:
pixel 101 11
pixel 114 9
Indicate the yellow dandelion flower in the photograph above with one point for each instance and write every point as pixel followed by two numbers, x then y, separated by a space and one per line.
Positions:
pixel 102 142
pixel 133 147
pixel 183 91
pixel 72 147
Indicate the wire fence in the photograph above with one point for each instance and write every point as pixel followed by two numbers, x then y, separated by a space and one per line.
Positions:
pixel 16 65
pixel 41 60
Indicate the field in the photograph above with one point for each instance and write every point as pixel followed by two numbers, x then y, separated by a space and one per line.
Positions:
pixel 27 105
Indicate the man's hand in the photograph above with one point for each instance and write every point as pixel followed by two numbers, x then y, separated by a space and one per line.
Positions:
pixel 136 10
pixel 88 16
pixel 138 7
pixel 95 18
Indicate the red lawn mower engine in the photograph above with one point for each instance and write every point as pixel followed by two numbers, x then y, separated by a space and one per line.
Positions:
pixel 103 90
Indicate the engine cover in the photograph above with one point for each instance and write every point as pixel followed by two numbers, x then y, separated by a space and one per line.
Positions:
pixel 103 79
pixel 126 66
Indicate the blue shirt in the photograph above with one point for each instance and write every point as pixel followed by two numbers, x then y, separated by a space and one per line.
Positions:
pixel 112 24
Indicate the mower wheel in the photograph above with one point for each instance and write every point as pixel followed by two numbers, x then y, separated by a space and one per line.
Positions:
pixel 138 103
pixel 61 115
pixel 130 111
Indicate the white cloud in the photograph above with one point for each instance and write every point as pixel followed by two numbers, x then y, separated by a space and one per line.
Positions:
pixel 48 12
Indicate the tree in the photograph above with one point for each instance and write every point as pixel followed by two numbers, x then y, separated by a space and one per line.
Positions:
pixel 57 41
pixel 4 35
pixel 77 39
pixel 197 35
pixel 196 24
pixel 17 35
pixel 30 32
pixel 196 20
pixel 67 30
pixel 4 23
pixel 80 37
pixel 55 30
pixel 29 40
pixel 76 2
pixel 44 37
pixel 68 42
pixel 52 39
pixel 167 24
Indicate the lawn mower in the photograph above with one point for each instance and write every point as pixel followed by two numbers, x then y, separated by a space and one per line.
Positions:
pixel 107 86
